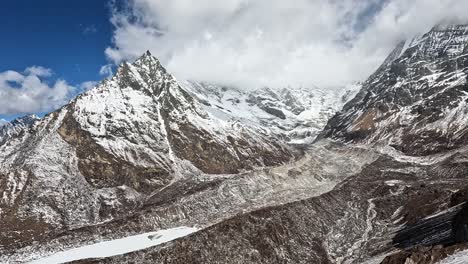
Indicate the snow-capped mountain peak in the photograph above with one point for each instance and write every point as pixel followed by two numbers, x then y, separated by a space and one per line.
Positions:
pixel 3 122
pixel 143 152
pixel 416 101
pixel 442 40
pixel 141 138
pixel 16 126
pixel 114 146
pixel 146 74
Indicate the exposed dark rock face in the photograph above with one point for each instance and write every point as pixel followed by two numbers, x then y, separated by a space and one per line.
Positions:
pixel 268 106
pixel 460 226
pixel 416 100
pixel 444 229
pixel 432 239
pixel 236 154
pixel 102 170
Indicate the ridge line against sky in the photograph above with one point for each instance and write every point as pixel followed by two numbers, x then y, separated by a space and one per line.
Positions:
pixel 247 43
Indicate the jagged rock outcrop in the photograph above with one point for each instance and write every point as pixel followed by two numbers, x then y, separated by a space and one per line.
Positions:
pixel 416 101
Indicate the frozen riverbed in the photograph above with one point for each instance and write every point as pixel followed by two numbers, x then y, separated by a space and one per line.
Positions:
pixel 118 246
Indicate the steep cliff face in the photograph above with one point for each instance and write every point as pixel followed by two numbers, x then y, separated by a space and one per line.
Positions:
pixel 416 101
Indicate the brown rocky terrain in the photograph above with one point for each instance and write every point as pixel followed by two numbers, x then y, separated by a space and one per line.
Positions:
pixel 367 215
pixel 385 182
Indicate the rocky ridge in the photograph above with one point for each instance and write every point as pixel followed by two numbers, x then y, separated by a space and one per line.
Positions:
pixel 15 127
pixel 416 100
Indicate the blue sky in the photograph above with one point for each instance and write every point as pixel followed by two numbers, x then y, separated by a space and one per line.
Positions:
pixel 67 37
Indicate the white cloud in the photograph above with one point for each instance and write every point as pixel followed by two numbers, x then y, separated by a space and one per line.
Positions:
pixel 273 42
pixel 39 71
pixel 28 92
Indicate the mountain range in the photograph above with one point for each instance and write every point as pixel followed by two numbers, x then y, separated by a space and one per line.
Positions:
pixel 374 172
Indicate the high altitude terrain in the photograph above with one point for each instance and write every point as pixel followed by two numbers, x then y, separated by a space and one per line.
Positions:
pixel 140 142
pixel 384 182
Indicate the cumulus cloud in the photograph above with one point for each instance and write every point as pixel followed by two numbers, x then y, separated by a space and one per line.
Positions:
pixel 273 42
pixel 39 71
pixel 29 92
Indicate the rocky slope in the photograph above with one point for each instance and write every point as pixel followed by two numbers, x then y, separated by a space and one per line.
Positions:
pixel 385 181
pixel 140 152
pixel 107 150
pixel 204 201
pixel 360 220
pixel 416 101
pixel 406 206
